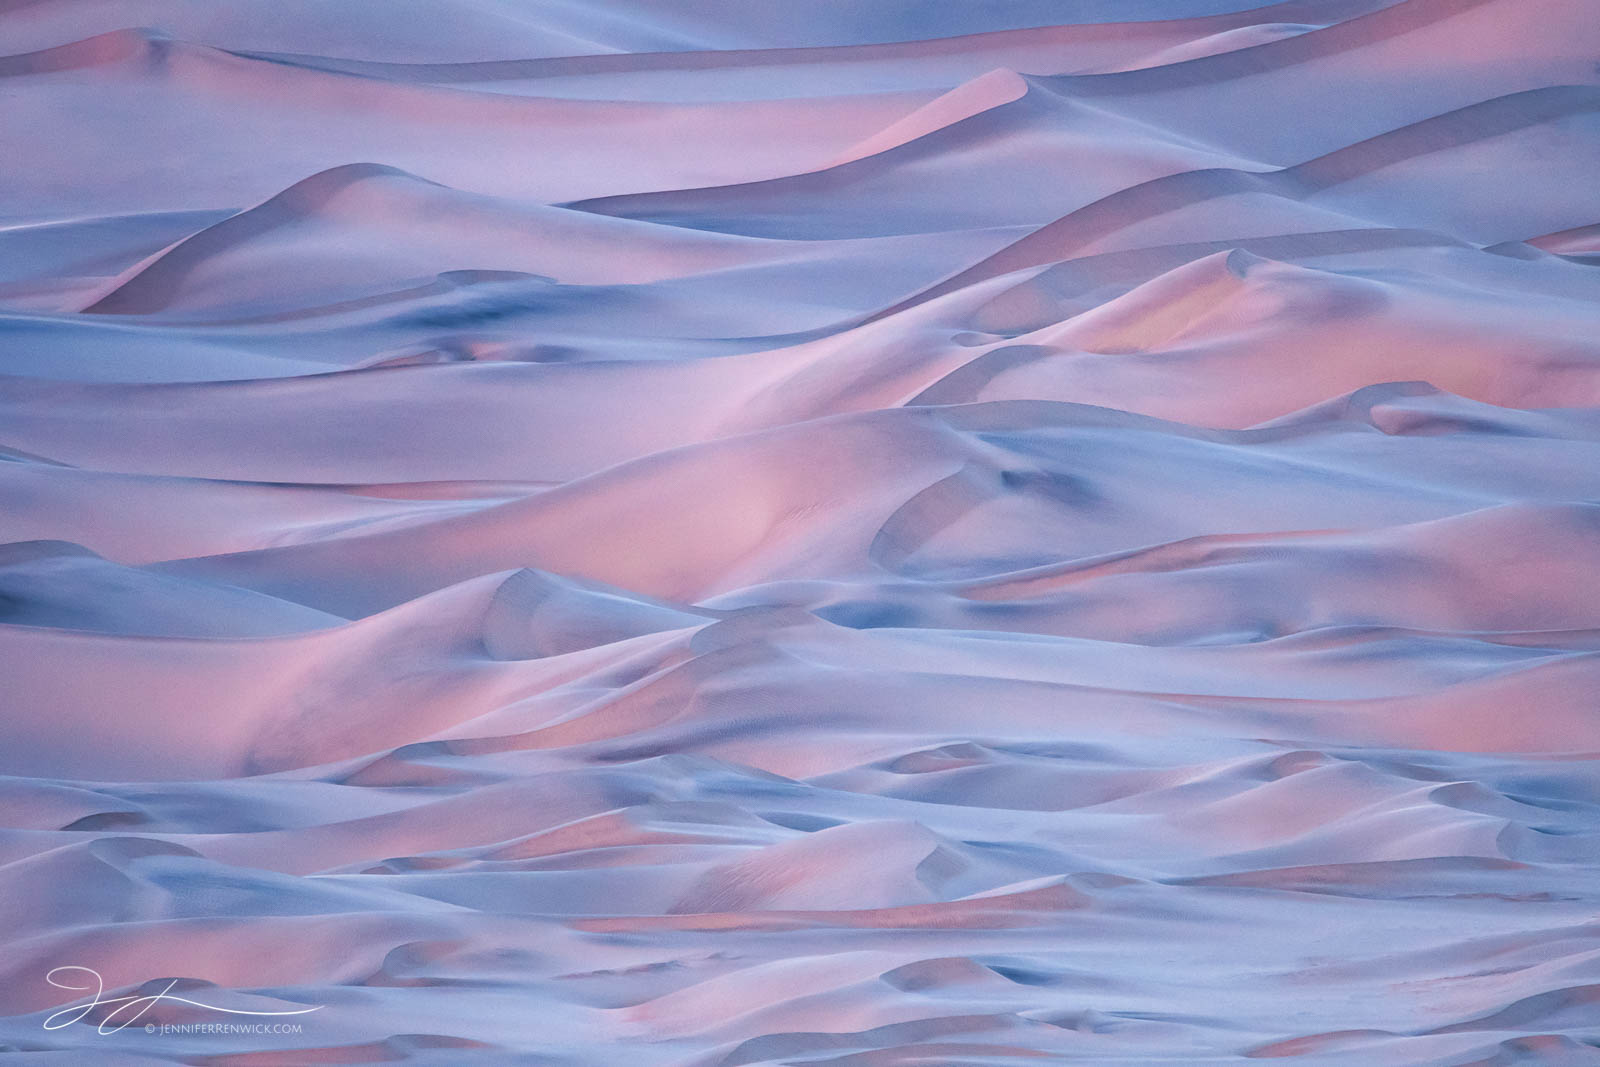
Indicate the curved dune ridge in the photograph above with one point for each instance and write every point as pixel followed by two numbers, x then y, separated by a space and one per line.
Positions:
pixel 718 533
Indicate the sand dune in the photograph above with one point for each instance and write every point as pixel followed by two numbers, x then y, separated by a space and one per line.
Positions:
pixel 369 205
pixel 722 534
pixel 924 61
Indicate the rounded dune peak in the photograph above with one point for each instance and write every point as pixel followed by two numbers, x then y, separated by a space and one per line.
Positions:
pixel 28 551
pixel 1164 307
pixel 104 49
pixel 535 614
pixel 986 92
pixel 316 190
pixel 152 283
pixel 372 232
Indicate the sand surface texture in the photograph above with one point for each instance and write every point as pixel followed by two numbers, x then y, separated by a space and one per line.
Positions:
pixel 878 533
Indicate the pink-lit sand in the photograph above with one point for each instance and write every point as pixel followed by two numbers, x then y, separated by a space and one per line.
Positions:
pixel 737 532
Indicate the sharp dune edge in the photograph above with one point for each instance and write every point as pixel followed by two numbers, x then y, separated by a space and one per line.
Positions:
pixel 716 534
